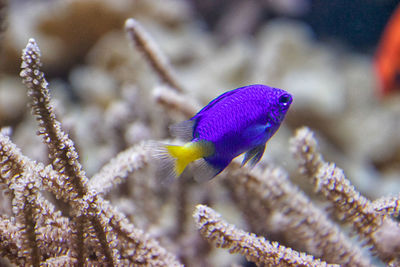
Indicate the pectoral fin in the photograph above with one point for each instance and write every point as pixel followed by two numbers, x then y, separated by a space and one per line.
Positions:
pixel 254 155
pixel 257 134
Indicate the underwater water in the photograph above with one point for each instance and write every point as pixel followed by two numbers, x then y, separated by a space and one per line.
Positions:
pixel 109 97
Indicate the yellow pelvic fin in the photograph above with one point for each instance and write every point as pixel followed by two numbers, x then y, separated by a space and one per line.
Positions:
pixel 188 153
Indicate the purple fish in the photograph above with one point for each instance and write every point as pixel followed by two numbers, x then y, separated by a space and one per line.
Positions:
pixel 238 121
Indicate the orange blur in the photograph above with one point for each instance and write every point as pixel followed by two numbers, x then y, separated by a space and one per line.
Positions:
pixel 387 58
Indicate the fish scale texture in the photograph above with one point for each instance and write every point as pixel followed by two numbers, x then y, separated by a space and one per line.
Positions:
pixel 238 109
pixel 238 121
pixel 228 121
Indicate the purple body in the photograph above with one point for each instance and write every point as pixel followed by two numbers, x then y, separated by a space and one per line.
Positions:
pixel 241 120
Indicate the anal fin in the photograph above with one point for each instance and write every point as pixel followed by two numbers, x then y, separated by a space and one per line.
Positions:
pixel 203 171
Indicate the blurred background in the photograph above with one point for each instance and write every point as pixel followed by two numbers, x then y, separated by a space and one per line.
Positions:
pixel 358 24
pixel 323 52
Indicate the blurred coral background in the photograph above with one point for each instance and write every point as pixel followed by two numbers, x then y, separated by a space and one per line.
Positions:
pixel 320 51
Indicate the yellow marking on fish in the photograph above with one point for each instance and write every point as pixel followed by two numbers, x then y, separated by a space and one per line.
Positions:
pixel 188 153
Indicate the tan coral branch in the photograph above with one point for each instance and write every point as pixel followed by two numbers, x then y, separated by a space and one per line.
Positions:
pixel 150 50
pixel 256 249
pixel 140 249
pixel 119 167
pixel 62 152
pixel 10 239
pixel 27 213
pixel 348 202
pixel 309 226
pixel 29 206
pixel 388 205
pixel 60 261
pixel 175 101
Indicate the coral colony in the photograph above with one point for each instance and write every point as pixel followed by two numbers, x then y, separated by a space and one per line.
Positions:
pixel 109 206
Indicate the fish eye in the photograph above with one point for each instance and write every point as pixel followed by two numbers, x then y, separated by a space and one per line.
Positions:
pixel 285 100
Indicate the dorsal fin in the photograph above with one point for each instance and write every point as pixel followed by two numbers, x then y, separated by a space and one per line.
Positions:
pixel 183 130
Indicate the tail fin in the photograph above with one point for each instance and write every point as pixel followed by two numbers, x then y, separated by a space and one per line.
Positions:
pixel 173 159
pixel 183 155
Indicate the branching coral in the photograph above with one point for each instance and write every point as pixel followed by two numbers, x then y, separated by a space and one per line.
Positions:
pixel 96 233
pixel 305 225
pixel 128 161
pixel 256 249
pixel 366 219
pixel 60 217
pixel 150 50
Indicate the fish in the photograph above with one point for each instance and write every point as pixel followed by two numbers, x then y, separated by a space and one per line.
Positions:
pixel 387 56
pixel 239 121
